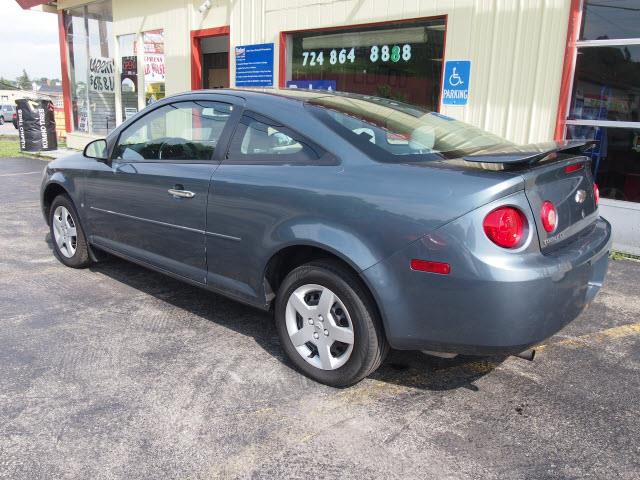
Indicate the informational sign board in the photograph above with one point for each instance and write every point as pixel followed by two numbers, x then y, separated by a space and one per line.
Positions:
pixel 83 119
pixel 101 75
pixel 36 125
pixel 153 41
pixel 254 65
pixel 456 82
pixel 329 85
pixel 130 65
pixel 154 68
pixel 129 112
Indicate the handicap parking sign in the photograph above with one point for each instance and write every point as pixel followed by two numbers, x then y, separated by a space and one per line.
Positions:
pixel 456 82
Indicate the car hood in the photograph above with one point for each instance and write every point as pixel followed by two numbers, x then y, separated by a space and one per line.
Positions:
pixel 74 160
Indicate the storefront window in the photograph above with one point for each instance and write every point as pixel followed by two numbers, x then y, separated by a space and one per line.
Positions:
pixel 78 67
pixel 398 61
pixel 154 74
pixel 605 102
pixel 91 67
pixel 128 75
pixel 615 160
pixel 604 19
pixel 607 84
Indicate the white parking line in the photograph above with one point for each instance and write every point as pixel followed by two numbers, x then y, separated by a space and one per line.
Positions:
pixel 20 173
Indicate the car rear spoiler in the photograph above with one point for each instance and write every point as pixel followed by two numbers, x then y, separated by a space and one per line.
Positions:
pixel 529 154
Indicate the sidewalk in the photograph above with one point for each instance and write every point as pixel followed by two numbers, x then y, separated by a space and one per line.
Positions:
pixel 54 154
pixel 9 137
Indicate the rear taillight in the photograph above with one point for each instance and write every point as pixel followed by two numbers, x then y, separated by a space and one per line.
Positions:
pixel 505 226
pixel 15 115
pixel 549 216
pixel 596 193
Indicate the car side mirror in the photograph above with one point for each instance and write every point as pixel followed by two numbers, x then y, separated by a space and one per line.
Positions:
pixel 97 150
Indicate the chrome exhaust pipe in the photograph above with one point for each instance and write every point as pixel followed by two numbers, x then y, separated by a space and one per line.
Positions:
pixel 527 354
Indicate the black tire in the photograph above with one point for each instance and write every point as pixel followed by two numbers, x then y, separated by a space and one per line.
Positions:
pixel 80 258
pixel 1 120
pixel 369 345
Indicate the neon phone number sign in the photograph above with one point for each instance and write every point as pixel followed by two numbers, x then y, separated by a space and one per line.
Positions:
pixel 383 53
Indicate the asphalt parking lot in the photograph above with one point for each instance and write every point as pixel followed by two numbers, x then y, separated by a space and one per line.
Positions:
pixel 119 372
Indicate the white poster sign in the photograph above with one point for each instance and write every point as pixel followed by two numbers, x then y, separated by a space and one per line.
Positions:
pixel 154 68
pixel 101 74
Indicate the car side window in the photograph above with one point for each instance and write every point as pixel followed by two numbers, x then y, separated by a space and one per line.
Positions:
pixel 178 131
pixel 259 139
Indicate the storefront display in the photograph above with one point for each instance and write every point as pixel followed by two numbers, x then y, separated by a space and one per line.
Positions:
pixel 402 61
pixel 128 76
pixel 91 67
pixel 154 73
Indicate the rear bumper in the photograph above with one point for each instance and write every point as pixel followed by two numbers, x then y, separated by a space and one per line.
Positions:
pixel 490 303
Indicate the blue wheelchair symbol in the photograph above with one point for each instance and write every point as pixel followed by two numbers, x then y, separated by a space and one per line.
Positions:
pixel 455 90
pixel 454 79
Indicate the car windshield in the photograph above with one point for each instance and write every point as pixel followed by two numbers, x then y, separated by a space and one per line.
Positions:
pixel 395 132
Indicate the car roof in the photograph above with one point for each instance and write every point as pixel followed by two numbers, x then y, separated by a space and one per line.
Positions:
pixel 301 96
pixel 284 93
pixel 295 94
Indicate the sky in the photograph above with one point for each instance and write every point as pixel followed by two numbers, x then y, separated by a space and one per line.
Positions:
pixel 29 41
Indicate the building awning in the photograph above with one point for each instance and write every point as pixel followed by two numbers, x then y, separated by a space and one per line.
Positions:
pixel 26 4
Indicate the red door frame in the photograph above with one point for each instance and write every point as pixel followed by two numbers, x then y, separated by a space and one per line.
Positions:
pixel 196 52
pixel 64 73
pixel 282 67
pixel 569 66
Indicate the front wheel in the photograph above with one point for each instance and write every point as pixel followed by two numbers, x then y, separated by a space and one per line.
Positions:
pixel 1 120
pixel 69 242
pixel 328 325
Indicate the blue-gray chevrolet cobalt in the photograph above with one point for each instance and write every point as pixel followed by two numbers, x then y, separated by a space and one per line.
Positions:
pixel 363 223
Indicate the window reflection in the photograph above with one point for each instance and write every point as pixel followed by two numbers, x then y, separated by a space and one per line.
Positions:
pixel 128 75
pixel 616 160
pixel 608 19
pixel 89 39
pixel 607 84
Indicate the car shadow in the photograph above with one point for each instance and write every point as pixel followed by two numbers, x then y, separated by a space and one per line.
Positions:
pixel 412 369
pixel 418 370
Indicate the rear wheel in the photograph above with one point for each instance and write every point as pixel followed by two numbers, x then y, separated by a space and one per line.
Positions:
pixel 69 242
pixel 328 325
pixel 1 120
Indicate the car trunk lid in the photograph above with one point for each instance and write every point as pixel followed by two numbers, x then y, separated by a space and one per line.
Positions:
pixel 556 172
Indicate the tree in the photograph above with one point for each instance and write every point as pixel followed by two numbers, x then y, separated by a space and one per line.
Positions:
pixel 7 84
pixel 23 81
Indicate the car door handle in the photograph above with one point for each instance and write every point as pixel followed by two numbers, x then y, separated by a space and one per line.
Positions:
pixel 181 193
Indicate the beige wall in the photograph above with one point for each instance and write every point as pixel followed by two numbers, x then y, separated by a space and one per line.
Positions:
pixel 516 46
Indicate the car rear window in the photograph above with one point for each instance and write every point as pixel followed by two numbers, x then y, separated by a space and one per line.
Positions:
pixel 395 132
